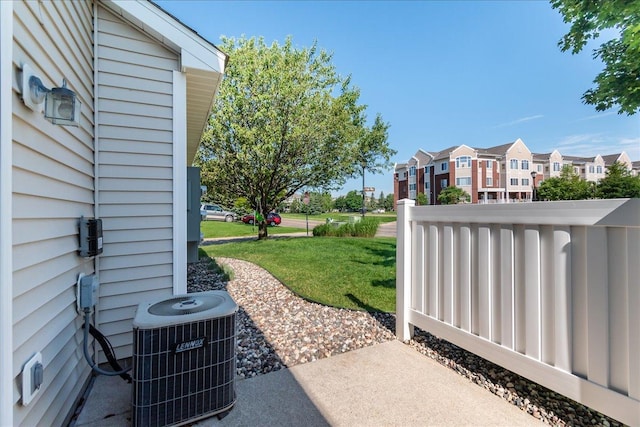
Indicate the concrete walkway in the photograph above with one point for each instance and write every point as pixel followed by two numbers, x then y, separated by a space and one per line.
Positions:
pixel 387 384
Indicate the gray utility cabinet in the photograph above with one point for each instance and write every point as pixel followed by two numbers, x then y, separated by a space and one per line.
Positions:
pixel 194 192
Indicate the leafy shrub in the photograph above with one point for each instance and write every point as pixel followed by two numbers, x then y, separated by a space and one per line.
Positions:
pixel 365 228
pixel 323 230
pixel 345 230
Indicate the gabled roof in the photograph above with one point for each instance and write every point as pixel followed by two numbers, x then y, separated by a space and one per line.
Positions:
pixel 498 149
pixel 539 157
pixel 201 61
pixel 444 153
pixel 578 159
pixel 610 159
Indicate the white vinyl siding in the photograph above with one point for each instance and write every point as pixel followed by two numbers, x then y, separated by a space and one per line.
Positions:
pixel 135 177
pixel 53 182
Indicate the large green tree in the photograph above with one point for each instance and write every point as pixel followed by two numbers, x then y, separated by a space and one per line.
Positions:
pixel 453 195
pixel 283 120
pixel 618 183
pixel 619 82
pixel 373 153
pixel 567 186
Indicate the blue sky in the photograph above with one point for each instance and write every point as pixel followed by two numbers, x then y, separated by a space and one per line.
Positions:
pixel 442 73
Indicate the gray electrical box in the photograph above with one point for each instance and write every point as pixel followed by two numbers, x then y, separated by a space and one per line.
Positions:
pixel 90 230
pixel 193 213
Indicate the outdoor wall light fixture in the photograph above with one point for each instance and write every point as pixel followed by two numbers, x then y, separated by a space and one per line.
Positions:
pixel 61 106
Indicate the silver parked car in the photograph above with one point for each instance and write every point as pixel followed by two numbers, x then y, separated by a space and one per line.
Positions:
pixel 217 213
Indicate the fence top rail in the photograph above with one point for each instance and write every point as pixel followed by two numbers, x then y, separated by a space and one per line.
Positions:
pixel 611 213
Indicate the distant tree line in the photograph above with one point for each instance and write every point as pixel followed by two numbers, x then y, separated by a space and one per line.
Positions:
pixel 617 183
pixel 351 202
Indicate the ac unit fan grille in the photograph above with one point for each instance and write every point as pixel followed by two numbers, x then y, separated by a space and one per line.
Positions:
pixel 172 386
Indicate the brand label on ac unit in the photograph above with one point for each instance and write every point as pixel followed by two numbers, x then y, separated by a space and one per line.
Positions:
pixel 190 345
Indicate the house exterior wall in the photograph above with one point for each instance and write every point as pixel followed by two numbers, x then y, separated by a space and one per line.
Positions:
pixel 53 183
pixel 135 177
pixel 462 173
pixel 554 167
pixel 518 179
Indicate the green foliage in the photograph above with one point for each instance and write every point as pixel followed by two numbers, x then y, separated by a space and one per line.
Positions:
pixel 388 203
pixel 373 153
pixel 568 186
pixel 322 230
pixel 242 206
pixel 352 202
pixel 421 199
pixel 367 227
pixel 283 120
pixel 453 195
pixel 619 82
pixel 618 183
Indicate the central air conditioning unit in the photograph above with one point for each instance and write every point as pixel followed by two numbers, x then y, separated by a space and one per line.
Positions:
pixel 184 359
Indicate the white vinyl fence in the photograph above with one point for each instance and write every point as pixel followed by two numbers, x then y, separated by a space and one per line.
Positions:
pixel 549 290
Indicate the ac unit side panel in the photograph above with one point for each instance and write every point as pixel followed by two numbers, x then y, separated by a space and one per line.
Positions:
pixel 184 372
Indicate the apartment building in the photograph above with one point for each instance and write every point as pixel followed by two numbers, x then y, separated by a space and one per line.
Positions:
pixel 501 174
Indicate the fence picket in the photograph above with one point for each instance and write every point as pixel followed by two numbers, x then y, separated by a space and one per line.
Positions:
pixel 549 290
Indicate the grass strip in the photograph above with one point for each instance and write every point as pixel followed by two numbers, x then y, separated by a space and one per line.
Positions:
pixel 354 273
pixel 213 229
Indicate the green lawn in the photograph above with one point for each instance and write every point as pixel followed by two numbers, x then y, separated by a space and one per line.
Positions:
pixel 212 229
pixel 342 216
pixel 356 273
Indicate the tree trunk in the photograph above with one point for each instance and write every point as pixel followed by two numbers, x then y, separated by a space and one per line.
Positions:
pixel 262 230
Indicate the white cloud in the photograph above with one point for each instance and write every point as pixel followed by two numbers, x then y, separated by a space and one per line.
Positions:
pixel 588 145
pixel 518 121
pixel 596 116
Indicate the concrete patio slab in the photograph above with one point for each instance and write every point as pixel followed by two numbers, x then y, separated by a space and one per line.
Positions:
pixel 387 384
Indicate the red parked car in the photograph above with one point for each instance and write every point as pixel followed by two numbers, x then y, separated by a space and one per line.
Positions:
pixel 273 219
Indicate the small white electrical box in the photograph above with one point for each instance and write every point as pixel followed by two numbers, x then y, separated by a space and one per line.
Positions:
pixel 32 378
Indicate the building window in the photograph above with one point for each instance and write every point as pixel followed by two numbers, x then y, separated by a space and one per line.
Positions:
pixel 513 164
pixel 488 164
pixel 427 185
pixel 463 181
pixel 489 181
pixel 599 169
pixel 525 181
pixel 592 169
pixel 525 165
pixel 443 183
pixel 539 168
pixel 427 170
pixel 556 166
pixel 514 181
pixel 444 166
pixel 412 171
pixel 463 162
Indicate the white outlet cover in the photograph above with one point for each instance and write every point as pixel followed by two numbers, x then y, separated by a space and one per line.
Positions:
pixel 27 393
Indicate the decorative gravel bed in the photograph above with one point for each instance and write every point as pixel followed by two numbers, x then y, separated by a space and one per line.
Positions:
pixel 276 329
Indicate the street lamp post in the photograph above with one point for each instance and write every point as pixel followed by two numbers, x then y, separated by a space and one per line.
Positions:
pixel 363 164
pixel 534 195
